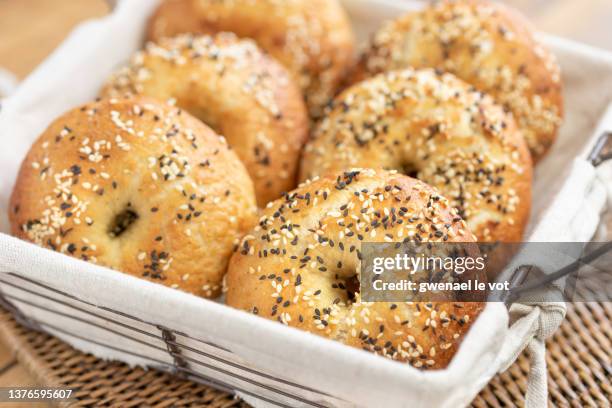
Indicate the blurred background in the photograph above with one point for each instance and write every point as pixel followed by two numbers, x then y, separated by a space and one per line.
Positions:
pixel 31 29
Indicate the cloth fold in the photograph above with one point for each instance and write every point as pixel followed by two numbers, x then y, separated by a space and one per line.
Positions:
pixel 532 323
pixel 536 318
pixel 8 83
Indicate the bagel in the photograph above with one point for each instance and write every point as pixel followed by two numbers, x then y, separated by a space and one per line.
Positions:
pixel 312 38
pixel 297 265
pixel 137 186
pixel 437 128
pixel 488 46
pixel 233 87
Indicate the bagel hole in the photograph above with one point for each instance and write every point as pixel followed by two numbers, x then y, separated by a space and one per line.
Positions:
pixel 122 222
pixel 352 287
pixel 409 170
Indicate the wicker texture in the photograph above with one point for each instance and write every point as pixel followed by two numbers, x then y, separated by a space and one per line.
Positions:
pixel 578 357
pixel 102 383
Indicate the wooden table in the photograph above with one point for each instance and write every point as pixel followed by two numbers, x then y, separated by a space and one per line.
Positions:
pixel 31 29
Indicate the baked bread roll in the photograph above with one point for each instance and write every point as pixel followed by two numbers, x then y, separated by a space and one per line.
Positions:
pixel 437 128
pixel 299 264
pixel 236 89
pixel 136 186
pixel 312 38
pixel 488 46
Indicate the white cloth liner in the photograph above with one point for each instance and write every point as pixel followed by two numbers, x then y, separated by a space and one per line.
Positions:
pixel 8 83
pixel 569 195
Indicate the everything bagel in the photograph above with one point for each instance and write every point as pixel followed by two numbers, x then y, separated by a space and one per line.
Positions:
pixel 486 45
pixel 137 186
pixel 236 89
pixel 312 38
pixel 437 128
pixel 297 265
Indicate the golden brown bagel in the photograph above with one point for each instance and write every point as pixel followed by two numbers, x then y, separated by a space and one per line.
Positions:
pixel 488 46
pixel 436 127
pixel 137 186
pixel 237 90
pixel 312 38
pixel 296 265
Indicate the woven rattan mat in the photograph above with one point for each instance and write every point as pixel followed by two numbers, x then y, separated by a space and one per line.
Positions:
pixel 579 368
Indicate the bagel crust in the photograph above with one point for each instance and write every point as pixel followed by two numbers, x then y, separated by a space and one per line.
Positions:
pixel 136 186
pixel 237 90
pixel 436 127
pixel 486 45
pixel 296 265
pixel 312 38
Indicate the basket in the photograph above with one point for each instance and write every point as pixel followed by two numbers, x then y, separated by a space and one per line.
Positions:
pixel 579 370
pixel 86 306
